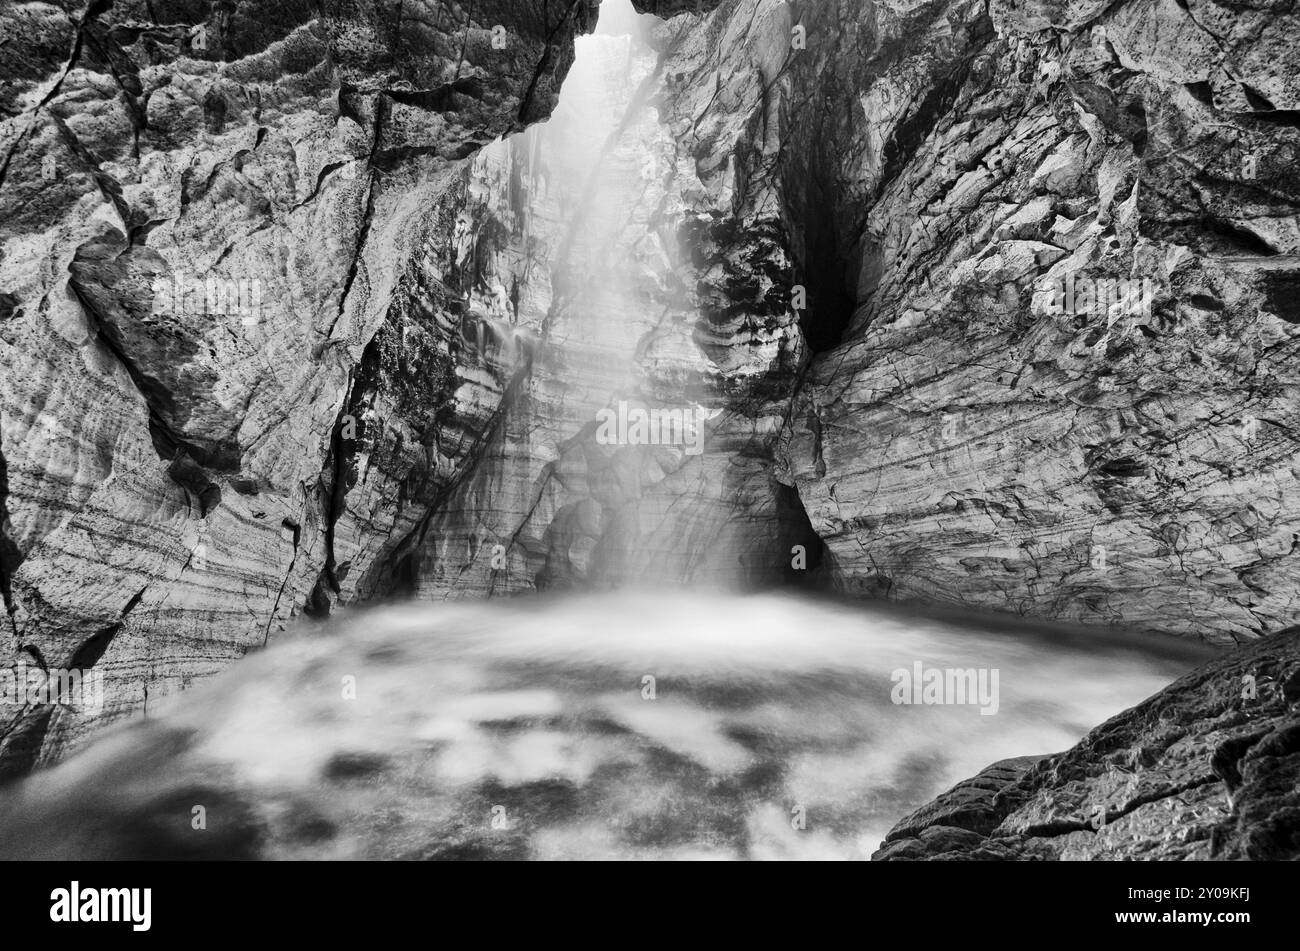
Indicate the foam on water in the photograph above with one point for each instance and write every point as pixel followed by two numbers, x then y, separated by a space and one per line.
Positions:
pixel 523 728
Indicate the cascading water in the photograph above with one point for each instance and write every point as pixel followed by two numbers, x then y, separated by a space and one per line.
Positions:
pixel 631 445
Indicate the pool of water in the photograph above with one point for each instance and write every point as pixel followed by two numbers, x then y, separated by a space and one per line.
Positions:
pixel 628 725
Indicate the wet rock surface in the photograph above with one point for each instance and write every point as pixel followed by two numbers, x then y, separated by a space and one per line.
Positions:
pixel 1208 768
pixel 974 437
pixel 205 213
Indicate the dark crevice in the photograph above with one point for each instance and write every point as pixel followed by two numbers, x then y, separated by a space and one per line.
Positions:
pixel 10 556
pixel 93 10
pixel 909 135
pixel 1257 102
pixel 799 531
pixel 186 462
pixel 279 594
pixel 183 467
pixel 1283 118
pixel 1237 237
pixel 343 451
pixel 1202 91
pixel 93 648
pixel 108 187
pixel 444 98
pixel 34 652
pixel 321 176
pixel 1282 295
pixel 22 744
pixel 382 108
pixel 405 577
pixel 820 265
pixel 340 475
pixel 1051 830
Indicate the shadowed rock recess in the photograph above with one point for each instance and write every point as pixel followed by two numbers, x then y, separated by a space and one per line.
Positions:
pixel 838 229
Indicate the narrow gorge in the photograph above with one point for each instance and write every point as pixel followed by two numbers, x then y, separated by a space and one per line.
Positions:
pixel 977 309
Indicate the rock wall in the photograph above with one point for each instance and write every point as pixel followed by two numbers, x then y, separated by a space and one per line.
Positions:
pixel 170 453
pixel 1206 769
pixel 1003 422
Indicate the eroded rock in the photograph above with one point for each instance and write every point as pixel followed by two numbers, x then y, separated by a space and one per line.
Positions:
pixel 205 212
pixel 1208 768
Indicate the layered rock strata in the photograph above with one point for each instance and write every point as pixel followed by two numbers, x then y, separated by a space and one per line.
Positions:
pixel 206 214
pixel 1066 383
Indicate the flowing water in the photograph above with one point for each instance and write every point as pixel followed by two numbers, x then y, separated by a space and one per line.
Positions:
pixel 629 725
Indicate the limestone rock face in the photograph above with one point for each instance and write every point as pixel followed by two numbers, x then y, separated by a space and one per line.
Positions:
pixel 1206 769
pixel 205 214
pixel 1066 384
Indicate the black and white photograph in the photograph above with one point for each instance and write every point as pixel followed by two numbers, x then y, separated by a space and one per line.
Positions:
pixel 647 431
